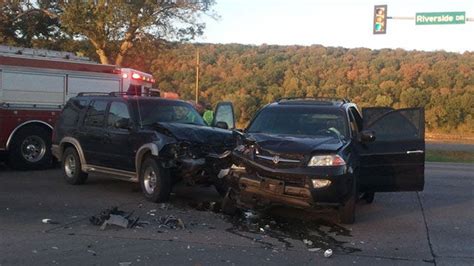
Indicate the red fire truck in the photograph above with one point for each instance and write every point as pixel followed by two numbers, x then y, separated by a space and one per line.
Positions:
pixel 35 84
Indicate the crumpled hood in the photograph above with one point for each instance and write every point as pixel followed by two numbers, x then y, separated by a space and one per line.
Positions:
pixel 195 134
pixel 295 145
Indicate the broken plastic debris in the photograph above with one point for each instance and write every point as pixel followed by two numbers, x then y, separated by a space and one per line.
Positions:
pixel 328 253
pixel 49 221
pixel 314 249
pixel 223 173
pixel 125 263
pixel 308 242
pixel 170 222
pixel 115 220
pixel 114 216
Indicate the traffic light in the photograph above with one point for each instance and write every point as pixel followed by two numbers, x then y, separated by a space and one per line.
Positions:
pixel 380 19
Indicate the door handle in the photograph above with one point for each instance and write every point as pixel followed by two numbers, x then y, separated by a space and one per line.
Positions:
pixel 415 151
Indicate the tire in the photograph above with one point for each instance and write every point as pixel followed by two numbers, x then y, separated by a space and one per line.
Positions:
pixel 347 211
pixel 155 181
pixel 71 165
pixel 30 149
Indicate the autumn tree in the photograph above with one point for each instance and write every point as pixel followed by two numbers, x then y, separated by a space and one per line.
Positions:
pixel 111 26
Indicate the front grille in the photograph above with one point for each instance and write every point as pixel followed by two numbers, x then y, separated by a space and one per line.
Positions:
pixel 279 160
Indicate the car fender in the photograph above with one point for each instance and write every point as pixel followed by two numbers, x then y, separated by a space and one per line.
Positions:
pixel 77 146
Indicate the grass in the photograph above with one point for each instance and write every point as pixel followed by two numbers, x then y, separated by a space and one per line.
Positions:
pixel 449 156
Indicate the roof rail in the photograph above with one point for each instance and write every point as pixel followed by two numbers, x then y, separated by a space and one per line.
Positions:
pixel 92 93
pixel 320 99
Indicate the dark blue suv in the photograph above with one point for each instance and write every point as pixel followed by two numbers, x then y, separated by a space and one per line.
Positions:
pixel 324 152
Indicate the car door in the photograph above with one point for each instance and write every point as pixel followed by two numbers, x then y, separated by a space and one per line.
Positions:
pixel 395 161
pixel 92 134
pixel 224 112
pixel 118 137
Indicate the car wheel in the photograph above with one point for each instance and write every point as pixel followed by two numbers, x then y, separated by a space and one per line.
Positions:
pixel 368 197
pixel 72 168
pixel 347 211
pixel 31 149
pixel 155 181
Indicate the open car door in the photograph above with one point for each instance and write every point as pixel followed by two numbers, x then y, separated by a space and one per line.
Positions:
pixel 224 113
pixel 395 161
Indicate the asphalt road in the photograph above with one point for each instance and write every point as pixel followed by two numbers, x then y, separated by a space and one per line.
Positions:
pixel 431 227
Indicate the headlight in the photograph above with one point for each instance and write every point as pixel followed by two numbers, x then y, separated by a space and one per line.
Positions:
pixel 320 183
pixel 326 160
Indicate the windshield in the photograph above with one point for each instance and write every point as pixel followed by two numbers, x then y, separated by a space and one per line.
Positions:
pixel 152 111
pixel 300 121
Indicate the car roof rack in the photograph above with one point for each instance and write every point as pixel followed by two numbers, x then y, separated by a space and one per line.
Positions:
pixel 318 100
pixel 93 93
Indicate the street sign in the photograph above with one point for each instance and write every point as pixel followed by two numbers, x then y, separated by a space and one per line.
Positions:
pixel 440 18
pixel 380 19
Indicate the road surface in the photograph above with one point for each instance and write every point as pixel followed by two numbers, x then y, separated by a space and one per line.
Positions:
pixel 431 227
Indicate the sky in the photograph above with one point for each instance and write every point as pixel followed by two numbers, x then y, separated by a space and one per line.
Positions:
pixel 343 23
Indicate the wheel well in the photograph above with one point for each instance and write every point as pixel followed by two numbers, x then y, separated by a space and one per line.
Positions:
pixel 142 158
pixel 26 126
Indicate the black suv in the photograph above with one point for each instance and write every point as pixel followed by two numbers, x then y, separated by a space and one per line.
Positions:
pixel 150 140
pixel 323 152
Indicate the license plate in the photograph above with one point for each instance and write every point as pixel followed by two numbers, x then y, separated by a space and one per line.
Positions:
pixel 275 186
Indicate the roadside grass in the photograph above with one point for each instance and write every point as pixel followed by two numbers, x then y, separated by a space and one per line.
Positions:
pixel 449 156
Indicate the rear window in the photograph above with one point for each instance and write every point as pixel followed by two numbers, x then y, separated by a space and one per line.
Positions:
pixel 301 121
pixel 72 111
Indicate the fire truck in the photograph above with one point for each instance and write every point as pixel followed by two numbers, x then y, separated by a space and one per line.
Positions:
pixel 34 86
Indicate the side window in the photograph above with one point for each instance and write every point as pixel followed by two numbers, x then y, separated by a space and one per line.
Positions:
pixel 399 125
pixel 117 111
pixel 95 115
pixel 225 113
pixel 71 112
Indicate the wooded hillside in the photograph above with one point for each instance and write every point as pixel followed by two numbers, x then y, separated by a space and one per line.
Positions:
pixel 252 76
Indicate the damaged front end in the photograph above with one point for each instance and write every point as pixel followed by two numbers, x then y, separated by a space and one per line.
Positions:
pixel 198 154
pixel 274 171
pixel 195 163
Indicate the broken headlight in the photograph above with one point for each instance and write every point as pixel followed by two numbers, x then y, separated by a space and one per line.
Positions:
pixel 326 160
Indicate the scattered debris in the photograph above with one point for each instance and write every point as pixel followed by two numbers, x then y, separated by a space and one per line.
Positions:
pixel 328 253
pixel 114 216
pixel 49 221
pixel 92 252
pixel 115 220
pixel 314 249
pixel 170 222
pixel 307 242
pixel 125 263
pixel 55 248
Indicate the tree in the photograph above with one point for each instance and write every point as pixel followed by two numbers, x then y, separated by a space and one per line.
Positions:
pixel 112 27
pixel 28 24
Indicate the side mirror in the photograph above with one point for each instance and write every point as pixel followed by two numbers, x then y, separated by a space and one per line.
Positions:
pixel 221 124
pixel 123 123
pixel 367 136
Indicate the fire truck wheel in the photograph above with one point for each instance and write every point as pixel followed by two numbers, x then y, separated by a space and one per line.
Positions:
pixel 71 164
pixel 31 149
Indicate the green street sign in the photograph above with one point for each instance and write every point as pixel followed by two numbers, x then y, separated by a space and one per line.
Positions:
pixel 440 18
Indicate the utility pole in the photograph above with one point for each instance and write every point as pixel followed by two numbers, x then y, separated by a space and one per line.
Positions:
pixel 197 75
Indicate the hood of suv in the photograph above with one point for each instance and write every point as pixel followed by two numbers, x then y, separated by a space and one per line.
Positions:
pixel 283 144
pixel 195 133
